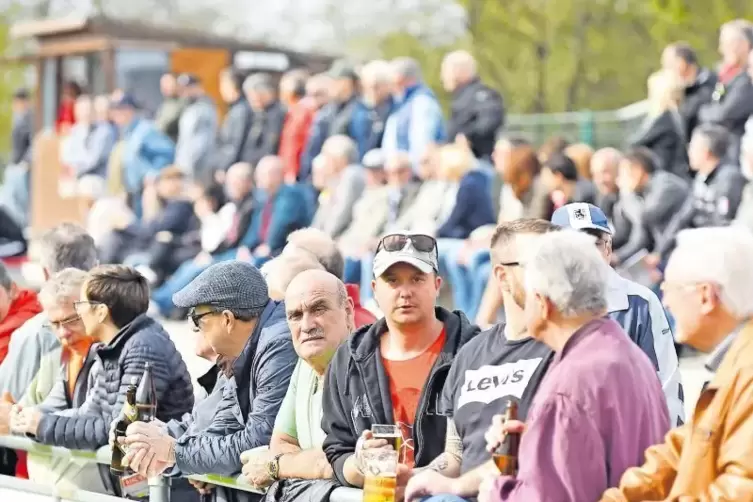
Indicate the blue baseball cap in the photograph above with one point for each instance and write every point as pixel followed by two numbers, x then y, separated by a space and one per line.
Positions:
pixel 581 216
pixel 125 101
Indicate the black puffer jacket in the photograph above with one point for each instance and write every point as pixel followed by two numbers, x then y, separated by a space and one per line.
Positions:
pixel 117 363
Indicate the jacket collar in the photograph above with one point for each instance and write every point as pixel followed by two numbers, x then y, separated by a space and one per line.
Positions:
pixel 617 293
pixel 582 332
pixel 739 354
pixel 142 322
pixel 253 340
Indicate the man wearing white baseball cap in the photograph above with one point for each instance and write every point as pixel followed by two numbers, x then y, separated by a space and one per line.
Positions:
pixel 635 307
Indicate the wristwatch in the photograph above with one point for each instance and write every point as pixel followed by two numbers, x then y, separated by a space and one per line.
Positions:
pixel 273 467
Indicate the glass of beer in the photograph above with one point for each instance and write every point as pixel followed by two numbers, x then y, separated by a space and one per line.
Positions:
pixel 380 472
pixel 390 433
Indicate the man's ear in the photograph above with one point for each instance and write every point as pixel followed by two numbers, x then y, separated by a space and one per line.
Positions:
pixel 499 273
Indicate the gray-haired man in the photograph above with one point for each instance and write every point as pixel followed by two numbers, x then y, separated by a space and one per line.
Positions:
pixel 65 246
pixel 268 118
pixel 232 310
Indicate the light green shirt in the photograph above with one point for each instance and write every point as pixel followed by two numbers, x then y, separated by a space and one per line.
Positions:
pixel 300 414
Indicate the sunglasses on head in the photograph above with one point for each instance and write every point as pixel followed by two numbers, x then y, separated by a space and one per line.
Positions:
pixel 397 242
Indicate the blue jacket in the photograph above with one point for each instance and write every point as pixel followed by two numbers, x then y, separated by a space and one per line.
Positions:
pixel 251 399
pixel 290 212
pixel 89 147
pixel 145 151
pixel 367 125
pixel 117 363
pixel 473 207
pixel 415 123
pixel 175 217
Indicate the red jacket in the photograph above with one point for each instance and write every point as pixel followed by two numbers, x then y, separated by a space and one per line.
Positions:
pixel 362 316
pixel 295 134
pixel 23 308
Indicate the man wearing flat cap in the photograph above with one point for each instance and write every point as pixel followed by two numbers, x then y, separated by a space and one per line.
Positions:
pixel 231 308
pixel 393 371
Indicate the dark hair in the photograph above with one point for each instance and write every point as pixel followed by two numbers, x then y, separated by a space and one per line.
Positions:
pixel 22 94
pixel 643 157
pixel 73 87
pixel 717 138
pixel 122 289
pixel 234 76
pixel 297 78
pixel 216 193
pixel 505 232
pixel 561 164
pixel 5 279
pixel 684 51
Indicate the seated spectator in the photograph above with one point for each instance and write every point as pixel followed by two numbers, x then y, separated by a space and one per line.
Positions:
pixel 744 216
pixel 12 239
pixel 434 201
pixel 716 192
pixel 142 151
pixel 311 242
pixel 707 288
pixel 581 154
pixel 345 183
pixel 17 306
pixel 376 101
pixel 605 165
pixel 87 148
pixel 598 377
pixel 663 132
pixel 320 317
pixel 64 246
pixel 317 89
pixel 62 381
pixel 633 306
pixel 280 271
pixel 410 351
pixel 239 232
pixel 299 117
pixel 560 176
pixel 166 214
pixel 168 114
pixel 231 308
pixel 554 145
pixel 197 130
pixel 281 209
pixel 113 310
pixel 649 200
pixel 235 126
pixel 473 211
pixel 370 215
pixel 401 193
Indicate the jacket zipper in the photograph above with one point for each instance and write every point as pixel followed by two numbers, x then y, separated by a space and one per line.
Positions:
pixel 422 411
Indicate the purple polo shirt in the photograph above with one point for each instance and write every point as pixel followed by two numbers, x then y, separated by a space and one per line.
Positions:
pixel 599 407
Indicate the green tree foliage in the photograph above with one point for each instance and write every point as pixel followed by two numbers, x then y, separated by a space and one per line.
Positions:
pixel 562 55
pixel 10 77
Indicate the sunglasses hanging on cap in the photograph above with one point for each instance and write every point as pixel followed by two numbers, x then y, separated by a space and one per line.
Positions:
pixel 397 242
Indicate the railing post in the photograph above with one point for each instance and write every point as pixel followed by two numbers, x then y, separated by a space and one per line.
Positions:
pixel 586 127
pixel 159 489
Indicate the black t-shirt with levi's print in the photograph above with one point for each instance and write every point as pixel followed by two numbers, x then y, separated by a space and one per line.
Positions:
pixel 487 372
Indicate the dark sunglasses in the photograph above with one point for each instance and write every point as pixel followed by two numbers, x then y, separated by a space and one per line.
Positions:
pixel 396 242
pixel 196 318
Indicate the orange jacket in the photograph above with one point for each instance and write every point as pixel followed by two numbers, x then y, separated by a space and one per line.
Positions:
pixel 295 134
pixel 710 458
pixel 23 308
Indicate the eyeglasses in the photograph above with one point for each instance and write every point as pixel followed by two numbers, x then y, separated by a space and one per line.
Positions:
pixel 510 264
pixel 81 303
pixel 397 242
pixel 56 325
pixel 196 318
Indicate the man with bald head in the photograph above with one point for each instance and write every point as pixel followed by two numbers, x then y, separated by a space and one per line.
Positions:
pixel 282 209
pixel 477 110
pixel 320 317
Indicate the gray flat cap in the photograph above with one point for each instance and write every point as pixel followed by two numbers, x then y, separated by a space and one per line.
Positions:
pixel 232 285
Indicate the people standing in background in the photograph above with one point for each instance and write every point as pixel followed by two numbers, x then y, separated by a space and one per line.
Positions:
pixel 376 102
pixel 681 60
pixel 22 129
pixel 477 111
pixel 66 110
pixel 299 117
pixel 197 131
pixel 417 121
pixel 732 101
pixel 317 89
pixel 169 112
pixel 268 117
pixel 231 136
pixel 663 132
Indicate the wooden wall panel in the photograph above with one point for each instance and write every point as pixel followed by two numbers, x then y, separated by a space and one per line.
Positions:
pixel 205 64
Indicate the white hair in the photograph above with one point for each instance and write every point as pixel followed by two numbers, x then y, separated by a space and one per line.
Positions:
pixel 566 268
pixel 719 255
pixel 377 71
pixel 342 147
pixel 63 286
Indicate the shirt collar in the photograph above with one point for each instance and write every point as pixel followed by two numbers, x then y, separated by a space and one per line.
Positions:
pixel 716 357
pixel 617 294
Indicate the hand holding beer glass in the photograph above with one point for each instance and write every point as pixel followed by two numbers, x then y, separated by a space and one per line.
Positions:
pixel 378 456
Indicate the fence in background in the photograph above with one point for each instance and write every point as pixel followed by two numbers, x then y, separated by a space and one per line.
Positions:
pixel 68 463
pixel 598 129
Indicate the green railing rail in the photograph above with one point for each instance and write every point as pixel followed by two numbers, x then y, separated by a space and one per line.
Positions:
pixel 598 129
pixel 159 487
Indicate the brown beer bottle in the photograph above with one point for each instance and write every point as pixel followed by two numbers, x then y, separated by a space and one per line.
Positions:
pixel 146 397
pixel 506 454
pixel 126 417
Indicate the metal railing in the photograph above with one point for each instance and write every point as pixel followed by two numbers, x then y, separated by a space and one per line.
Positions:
pixel 70 460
